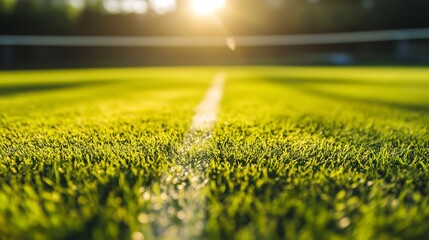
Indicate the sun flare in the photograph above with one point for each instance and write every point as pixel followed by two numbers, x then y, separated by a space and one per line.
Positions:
pixel 205 7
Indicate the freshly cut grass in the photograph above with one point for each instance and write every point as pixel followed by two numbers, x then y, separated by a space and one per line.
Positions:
pixel 321 153
pixel 76 147
pixel 299 153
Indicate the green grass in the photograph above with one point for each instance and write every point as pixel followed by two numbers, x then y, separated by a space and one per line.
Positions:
pixel 297 153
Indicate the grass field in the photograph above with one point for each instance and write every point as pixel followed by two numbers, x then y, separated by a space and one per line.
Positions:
pixel 296 153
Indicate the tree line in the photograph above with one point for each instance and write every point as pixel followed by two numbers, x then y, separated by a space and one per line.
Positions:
pixel 241 17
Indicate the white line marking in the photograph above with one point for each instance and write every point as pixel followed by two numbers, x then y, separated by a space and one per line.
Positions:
pixel 206 112
pixel 179 207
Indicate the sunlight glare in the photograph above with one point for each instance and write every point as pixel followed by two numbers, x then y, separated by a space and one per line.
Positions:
pixel 77 4
pixel 205 7
pixel 112 6
pixel 230 42
pixel 163 6
pixel 125 6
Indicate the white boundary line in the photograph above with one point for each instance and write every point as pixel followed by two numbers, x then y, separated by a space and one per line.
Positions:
pixel 179 206
pixel 241 41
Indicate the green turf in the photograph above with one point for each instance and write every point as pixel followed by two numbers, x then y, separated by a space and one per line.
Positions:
pixel 297 153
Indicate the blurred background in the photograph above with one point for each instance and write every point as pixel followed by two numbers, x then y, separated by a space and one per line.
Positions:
pixel 203 32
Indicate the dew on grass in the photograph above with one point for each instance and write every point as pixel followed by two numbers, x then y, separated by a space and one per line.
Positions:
pixel 344 222
pixel 138 236
pixel 143 218
pixel 146 196
pixel 181 215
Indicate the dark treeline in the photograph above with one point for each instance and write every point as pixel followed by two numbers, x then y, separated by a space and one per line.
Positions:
pixel 240 17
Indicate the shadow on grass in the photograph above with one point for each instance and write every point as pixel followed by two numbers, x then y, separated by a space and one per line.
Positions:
pixel 304 85
pixel 44 87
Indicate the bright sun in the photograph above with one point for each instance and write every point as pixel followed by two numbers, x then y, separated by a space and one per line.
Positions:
pixel 205 7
